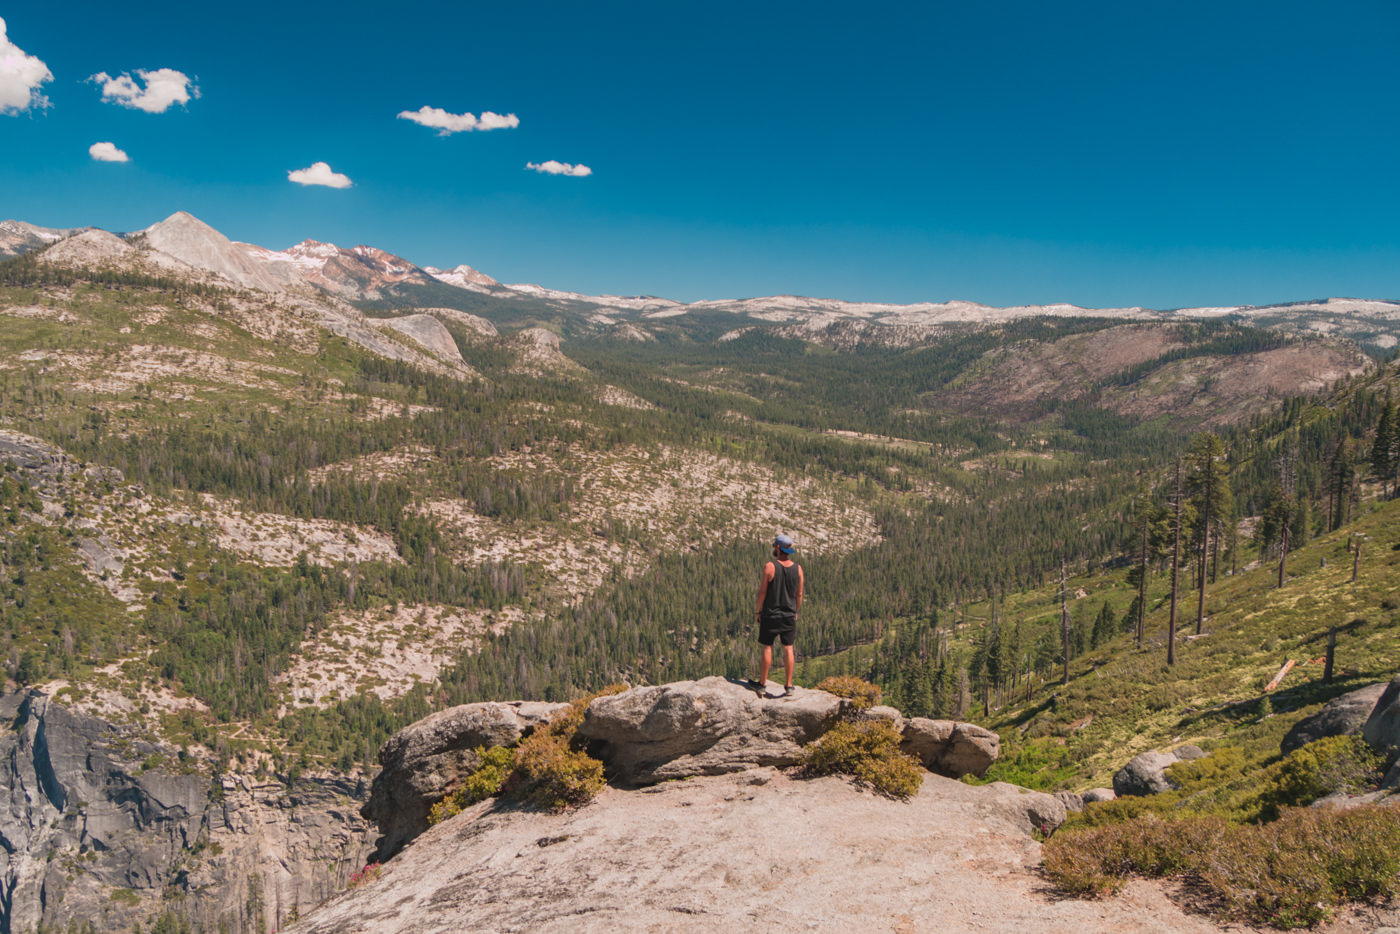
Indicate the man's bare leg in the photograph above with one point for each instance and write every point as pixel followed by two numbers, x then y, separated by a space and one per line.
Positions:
pixel 765 662
pixel 788 661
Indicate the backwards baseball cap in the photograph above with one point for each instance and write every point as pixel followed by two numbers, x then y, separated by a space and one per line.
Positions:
pixel 784 543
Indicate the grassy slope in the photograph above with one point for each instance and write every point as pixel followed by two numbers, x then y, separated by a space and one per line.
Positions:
pixel 1122 700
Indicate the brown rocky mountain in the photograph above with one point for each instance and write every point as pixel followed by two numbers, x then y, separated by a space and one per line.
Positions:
pixel 1012 382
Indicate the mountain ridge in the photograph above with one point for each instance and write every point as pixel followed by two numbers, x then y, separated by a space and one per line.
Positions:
pixel 368 274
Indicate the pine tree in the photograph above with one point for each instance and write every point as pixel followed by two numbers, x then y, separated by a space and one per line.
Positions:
pixel 1209 484
pixel 1103 625
pixel 1383 447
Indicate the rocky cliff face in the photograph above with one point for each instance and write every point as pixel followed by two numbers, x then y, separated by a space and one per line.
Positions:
pixel 97 825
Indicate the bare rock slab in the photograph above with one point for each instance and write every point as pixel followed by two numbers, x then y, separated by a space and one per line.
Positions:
pixel 707 727
pixel 723 853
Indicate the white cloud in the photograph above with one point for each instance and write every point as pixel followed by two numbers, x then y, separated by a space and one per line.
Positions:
pixel 553 167
pixel 164 88
pixel 107 152
pixel 446 123
pixel 20 77
pixel 319 173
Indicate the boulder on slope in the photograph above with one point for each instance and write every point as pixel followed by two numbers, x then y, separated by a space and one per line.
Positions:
pixel 1341 716
pixel 426 760
pixel 1145 774
pixel 950 748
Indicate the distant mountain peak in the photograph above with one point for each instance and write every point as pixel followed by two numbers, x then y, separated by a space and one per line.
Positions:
pixel 461 275
pixel 190 240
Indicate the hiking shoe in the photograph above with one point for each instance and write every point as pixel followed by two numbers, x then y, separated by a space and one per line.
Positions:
pixel 787 691
pixel 758 686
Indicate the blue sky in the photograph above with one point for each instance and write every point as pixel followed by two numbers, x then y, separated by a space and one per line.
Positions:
pixel 1153 153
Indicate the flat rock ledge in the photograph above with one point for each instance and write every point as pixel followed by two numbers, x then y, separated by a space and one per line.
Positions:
pixel 759 850
pixel 652 734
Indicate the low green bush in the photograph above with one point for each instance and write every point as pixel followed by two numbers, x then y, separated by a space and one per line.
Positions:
pixel 1041 764
pixel 868 750
pixel 1290 873
pixel 1335 763
pixel 860 693
pixel 495 766
pixel 548 767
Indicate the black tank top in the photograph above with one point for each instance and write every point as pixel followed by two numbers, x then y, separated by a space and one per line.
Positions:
pixel 781 598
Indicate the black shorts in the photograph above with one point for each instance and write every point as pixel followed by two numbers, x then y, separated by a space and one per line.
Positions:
pixel 784 628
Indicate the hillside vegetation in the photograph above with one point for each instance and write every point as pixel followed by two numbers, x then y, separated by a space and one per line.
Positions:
pixel 286 545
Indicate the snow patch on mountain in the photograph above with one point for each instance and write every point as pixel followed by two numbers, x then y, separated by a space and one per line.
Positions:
pixel 462 276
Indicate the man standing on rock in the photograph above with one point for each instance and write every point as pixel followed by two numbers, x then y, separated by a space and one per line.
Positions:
pixel 779 599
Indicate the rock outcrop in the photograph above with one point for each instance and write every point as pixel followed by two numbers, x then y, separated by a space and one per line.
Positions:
pixel 1341 716
pixel 97 825
pixel 424 761
pixel 707 727
pixel 759 850
pixel 1382 731
pixel 430 333
pixel 949 748
pixel 652 734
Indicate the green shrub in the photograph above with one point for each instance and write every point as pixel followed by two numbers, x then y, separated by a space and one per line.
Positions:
pixel 1335 763
pixel 493 768
pixel 869 751
pixel 547 768
pixel 861 694
pixel 1289 873
pixel 1041 764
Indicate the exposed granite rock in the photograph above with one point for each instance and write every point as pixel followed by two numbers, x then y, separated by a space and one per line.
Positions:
pixel 753 851
pixel 1095 795
pixel 1070 800
pixel 1382 728
pixel 971 751
pixel 88 810
pixel 644 736
pixel 1032 811
pixel 428 331
pixel 1341 716
pixel 426 760
pixel 883 713
pixel 707 727
pixel 1145 774
pixel 926 739
pixel 950 748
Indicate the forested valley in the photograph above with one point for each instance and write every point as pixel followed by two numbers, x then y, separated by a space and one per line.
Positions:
pixel 970 508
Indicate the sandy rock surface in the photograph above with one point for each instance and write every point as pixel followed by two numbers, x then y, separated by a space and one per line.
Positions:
pixel 752 851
